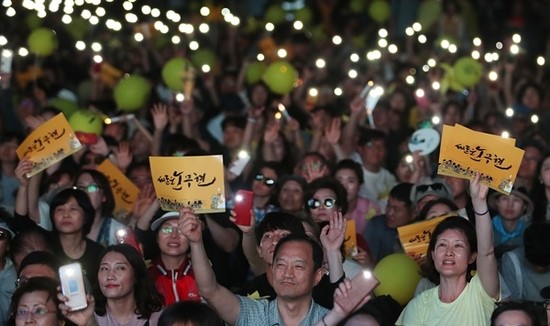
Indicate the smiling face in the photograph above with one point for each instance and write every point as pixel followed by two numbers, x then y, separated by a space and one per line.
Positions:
pixel 116 276
pixel 170 240
pixel 293 272
pixel 452 253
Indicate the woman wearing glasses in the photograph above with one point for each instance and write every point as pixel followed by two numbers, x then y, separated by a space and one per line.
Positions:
pixel 171 269
pixel 35 302
pixel 96 185
pixel 264 188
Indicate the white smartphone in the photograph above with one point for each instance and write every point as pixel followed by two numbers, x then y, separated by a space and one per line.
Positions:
pixel 72 286
pixel 6 60
pixel 237 166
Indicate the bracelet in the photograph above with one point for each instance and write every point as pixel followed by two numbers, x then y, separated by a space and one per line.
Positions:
pixel 481 214
pixel 323 320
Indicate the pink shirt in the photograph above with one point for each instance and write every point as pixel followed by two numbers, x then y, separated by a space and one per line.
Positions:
pixel 364 211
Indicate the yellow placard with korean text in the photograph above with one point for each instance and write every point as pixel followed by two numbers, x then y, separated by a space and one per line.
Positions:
pixel 194 181
pixel 464 151
pixel 415 237
pixel 350 238
pixel 124 190
pixel 48 144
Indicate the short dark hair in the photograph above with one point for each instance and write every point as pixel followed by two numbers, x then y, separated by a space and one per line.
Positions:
pixel 148 299
pixel 367 135
pixel 317 250
pixel 237 121
pixel 40 258
pixel 28 241
pixel 349 164
pixel 450 223
pixel 527 308
pixel 402 192
pixel 35 284
pixel 108 205
pixel 445 201
pixel 83 201
pixel 278 221
pixel 332 184
pixel 189 313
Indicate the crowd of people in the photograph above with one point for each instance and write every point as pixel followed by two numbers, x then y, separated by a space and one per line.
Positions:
pixel 325 162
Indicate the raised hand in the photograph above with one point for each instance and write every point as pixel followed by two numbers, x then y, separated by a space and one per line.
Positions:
pixel 23 167
pixel 332 235
pixel 160 116
pixel 190 225
pixel 123 155
pixel 245 229
pixel 84 317
pixel 478 190
pixel 333 131
pixel 271 132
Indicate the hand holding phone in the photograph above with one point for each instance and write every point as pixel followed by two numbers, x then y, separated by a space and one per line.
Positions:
pixel 72 286
pixel 244 201
pixel 237 166
pixel 361 286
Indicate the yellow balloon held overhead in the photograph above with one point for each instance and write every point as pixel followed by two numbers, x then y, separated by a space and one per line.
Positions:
pixel 398 275
pixel 42 41
pixel 173 73
pixel 280 77
pixel 87 126
pixel 131 93
pixel 467 71
pixel 254 72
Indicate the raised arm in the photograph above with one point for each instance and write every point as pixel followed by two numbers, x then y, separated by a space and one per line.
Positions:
pixel 332 238
pixel 224 301
pixel 487 268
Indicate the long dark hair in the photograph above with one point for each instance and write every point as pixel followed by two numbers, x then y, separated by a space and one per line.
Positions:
pixel 456 223
pixel 189 313
pixel 148 299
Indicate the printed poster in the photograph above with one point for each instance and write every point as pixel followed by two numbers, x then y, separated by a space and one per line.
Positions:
pixel 464 151
pixel 48 144
pixel 194 181
pixel 124 190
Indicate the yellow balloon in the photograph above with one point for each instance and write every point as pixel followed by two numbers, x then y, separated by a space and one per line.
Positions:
pixel 398 275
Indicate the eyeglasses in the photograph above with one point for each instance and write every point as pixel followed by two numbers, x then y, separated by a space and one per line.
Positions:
pixel 434 187
pixel 92 188
pixel 169 229
pixel 267 181
pixel 36 312
pixel 314 203
pixel 20 281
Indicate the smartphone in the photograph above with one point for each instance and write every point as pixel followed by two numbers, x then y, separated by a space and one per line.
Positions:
pixel 6 60
pixel 72 286
pixel 361 285
pixel 244 201
pixel 126 235
pixel 237 166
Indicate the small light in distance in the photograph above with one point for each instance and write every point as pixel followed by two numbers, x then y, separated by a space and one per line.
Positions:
pixel 260 57
pixel 422 38
pixel 495 56
pixel 417 27
pixel 204 28
pixel 499 45
pixel 80 46
pixel 541 61
pixel 477 41
pixel 354 57
pixel 155 12
pixel 176 39
pixel 516 38
pixel 320 63
pixel 383 33
pixel 409 31
pixel 488 57
pixel 138 37
pixel 3 40
pixel 204 11
pixel 436 85
pixel 337 39
pixel 475 54
pixel 205 68
pixel 298 25
pixel 193 45
pixel 382 42
pixel 453 48
pixel 281 53
pixel 313 92
pixel 514 49
pixel 66 19
pixel 493 75
pixel 269 27
pixel 392 48
pixel 534 118
pixel 23 52
pixel 352 73
pixel 432 62
pixel 425 68
pixel 409 80
pixel 509 112
pixel 98 59
pixel 93 20
pixel 146 10
pixel 436 120
pixel 445 44
pixel 96 47
pixel 505 134
pixel 420 92
pixel 338 91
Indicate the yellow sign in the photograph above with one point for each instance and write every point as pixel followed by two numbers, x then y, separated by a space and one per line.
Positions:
pixel 194 181
pixel 465 151
pixel 124 190
pixel 415 237
pixel 350 238
pixel 48 144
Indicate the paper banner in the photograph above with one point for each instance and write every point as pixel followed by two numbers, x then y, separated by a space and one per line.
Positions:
pixel 48 144
pixel 350 238
pixel 124 190
pixel 415 237
pixel 194 181
pixel 464 151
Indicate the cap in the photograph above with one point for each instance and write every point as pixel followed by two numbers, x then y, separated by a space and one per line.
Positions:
pixel 5 226
pixel 166 216
pixel 521 192
pixel 436 187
